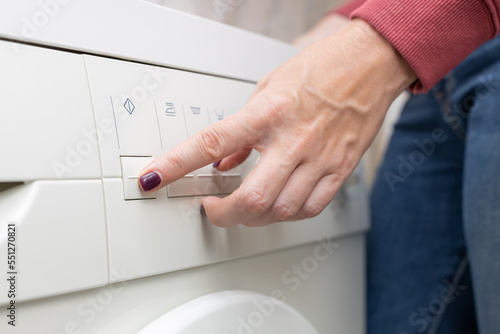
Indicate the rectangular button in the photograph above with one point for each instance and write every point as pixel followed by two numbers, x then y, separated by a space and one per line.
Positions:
pixel 137 126
pixel 131 166
pixel 207 184
pixel 182 187
pixel 229 182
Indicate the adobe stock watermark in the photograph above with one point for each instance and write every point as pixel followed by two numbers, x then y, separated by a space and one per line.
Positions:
pixel 424 319
pixel 149 83
pixel 75 155
pixel 31 25
pixel 408 164
pixel 461 111
pixel 293 278
pixel 89 309
pixel 223 7
pixel 47 10
pixel 90 139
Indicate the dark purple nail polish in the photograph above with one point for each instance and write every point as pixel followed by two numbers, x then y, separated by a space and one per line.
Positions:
pixel 217 164
pixel 150 180
pixel 203 212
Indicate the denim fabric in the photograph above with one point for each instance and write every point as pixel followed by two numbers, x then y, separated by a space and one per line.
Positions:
pixel 434 248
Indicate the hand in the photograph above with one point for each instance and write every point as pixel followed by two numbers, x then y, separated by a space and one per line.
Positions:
pixel 311 119
pixel 329 25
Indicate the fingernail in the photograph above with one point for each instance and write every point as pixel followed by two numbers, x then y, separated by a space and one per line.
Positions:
pixel 216 164
pixel 203 212
pixel 150 181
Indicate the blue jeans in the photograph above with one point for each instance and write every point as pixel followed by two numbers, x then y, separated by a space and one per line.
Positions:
pixel 434 248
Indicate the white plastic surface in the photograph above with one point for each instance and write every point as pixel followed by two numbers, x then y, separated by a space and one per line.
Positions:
pixel 60 241
pixel 63 241
pixel 136 30
pixel 160 102
pixel 330 295
pixel 232 312
pixel 134 105
pixel 47 128
pixel 122 97
pixel 154 109
pixel 146 237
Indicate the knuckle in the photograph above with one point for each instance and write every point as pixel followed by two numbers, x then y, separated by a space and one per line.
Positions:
pixel 345 167
pixel 262 83
pixel 279 103
pixel 284 210
pixel 211 142
pixel 255 201
pixel 304 142
pixel 312 210
pixel 274 107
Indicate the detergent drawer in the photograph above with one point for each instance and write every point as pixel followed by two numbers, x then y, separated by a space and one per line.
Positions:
pixel 46 124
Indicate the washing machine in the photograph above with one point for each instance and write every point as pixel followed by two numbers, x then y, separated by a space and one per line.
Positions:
pixel 91 91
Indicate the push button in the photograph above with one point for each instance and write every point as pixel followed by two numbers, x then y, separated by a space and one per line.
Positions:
pixel 229 182
pixel 182 187
pixel 206 184
pixel 131 166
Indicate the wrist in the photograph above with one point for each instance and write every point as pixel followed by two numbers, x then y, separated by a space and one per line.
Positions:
pixel 380 57
pixel 329 25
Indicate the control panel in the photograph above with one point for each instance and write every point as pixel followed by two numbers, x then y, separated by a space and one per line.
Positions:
pixel 94 124
pixel 154 109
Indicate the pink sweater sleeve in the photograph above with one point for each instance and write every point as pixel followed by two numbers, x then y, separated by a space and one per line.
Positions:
pixel 433 36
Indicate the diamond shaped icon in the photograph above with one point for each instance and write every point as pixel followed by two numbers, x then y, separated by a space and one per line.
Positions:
pixel 129 106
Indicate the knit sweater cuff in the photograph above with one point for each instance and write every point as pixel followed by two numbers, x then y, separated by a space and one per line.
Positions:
pixel 433 37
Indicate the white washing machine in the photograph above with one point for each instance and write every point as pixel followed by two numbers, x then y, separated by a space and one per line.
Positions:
pixel 91 91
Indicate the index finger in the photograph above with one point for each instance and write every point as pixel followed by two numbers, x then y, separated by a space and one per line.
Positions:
pixel 207 146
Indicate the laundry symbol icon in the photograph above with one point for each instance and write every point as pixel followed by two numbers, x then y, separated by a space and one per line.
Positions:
pixel 219 114
pixel 170 109
pixel 129 106
pixel 196 110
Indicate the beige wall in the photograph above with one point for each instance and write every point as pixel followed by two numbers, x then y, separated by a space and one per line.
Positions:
pixel 281 19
